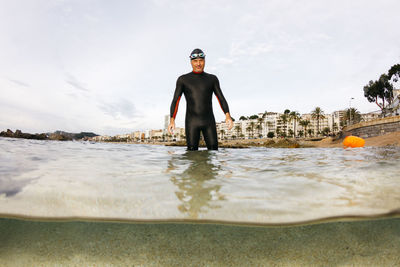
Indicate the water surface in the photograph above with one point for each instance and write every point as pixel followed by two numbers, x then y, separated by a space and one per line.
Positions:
pixel 125 182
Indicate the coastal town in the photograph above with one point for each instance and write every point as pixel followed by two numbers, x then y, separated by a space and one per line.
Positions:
pixel 261 125
pixel 289 124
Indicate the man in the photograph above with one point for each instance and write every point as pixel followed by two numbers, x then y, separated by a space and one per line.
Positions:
pixel 198 88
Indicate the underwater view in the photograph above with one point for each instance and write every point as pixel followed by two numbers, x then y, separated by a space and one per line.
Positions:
pixel 147 205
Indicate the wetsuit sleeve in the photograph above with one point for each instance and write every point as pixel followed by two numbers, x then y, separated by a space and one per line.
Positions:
pixel 177 98
pixel 220 96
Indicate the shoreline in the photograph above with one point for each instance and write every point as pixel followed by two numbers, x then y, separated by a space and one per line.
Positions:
pixel 390 139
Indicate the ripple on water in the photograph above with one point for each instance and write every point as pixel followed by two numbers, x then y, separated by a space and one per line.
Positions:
pixel 144 183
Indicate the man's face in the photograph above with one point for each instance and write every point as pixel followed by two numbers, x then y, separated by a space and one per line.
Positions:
pixel 198 64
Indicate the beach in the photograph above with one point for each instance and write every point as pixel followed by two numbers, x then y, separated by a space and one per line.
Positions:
pixel 390 139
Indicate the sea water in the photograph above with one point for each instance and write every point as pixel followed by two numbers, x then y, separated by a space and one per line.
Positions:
pixel 103 203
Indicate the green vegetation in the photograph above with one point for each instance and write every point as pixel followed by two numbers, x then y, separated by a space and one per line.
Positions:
pixel 253 117
pixel 318 114
pixel 305 124
pixel 352 116
pixel 294 116
pixel 238 129
pixel 381 91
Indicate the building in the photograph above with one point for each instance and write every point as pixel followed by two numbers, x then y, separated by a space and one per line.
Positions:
pixel 370 116
pixel 394 108
pixel 338 118
pixel 318 126
pixel 167 118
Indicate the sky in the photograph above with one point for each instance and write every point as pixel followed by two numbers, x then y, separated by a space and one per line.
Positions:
pixel 110 67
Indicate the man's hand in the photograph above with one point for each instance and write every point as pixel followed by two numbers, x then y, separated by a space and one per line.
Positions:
pixel 228 121
pixel 171 126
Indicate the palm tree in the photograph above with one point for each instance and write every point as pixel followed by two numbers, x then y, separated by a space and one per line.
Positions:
pixel 318 114
pixel 248 129
pixel 284 119
pixel 294 116
pixel 260 124
pixel 238 129
pixel 352 115
pixel 304 123
pixel 252 125
pixel 259 129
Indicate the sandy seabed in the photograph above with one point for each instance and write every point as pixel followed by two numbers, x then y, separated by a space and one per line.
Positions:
pixel 357 243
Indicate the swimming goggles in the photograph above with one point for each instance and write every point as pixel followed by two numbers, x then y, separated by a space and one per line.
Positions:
pixel 197 55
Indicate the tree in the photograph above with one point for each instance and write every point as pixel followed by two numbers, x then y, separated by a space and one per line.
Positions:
pixel 326 131
pixel 394 73
pixel 253 117
pixel 294 116
pixel 352 115
pixel 248 129
pixel 270 135
pixel 252 125
pixel 291 133
pixel 310 132
pixel 305 124
pixel 381 89
pixel 259 129
pixel 238 129
pixel 318 115
pixel 284 119
pixel 301 133
pixel 243 118
pixel 260 124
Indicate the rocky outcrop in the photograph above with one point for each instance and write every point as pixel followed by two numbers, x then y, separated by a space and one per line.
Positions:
pixel 19 134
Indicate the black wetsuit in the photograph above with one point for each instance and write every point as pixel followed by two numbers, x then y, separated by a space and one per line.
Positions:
pixel 198 89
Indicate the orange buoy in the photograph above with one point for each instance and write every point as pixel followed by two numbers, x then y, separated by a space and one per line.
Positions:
pixel 353 141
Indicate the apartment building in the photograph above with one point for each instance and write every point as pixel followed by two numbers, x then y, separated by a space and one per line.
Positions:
pixel 317 126
pixel 371 116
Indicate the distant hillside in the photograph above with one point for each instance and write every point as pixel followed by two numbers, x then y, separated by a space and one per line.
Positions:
pixel 80 135
pixel 57 135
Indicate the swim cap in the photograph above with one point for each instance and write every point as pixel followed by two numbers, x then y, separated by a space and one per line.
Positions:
pixel 197 53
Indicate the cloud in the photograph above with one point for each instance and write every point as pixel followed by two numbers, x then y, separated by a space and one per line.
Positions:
pixel 120 108
pixel 19 82
pixel 71 80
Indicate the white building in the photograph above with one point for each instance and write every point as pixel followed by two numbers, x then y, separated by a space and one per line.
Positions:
pixel 370 116
pixel 167 118
pixel 394 108
pixel 317 126
pixel 337 120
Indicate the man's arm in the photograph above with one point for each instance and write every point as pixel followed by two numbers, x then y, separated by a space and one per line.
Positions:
pixel 223 103
pixel 175 105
